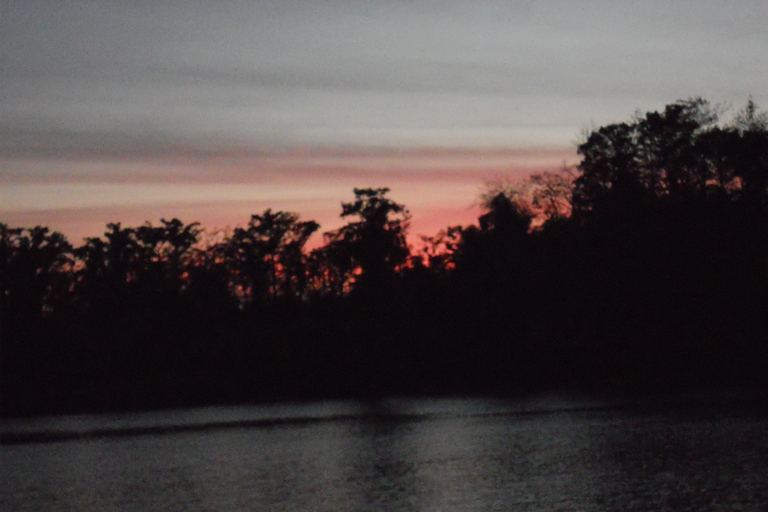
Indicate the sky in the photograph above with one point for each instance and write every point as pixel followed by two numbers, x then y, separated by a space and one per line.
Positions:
pixel 212 111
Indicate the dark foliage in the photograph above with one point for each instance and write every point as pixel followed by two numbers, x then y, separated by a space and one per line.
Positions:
pixel 657 281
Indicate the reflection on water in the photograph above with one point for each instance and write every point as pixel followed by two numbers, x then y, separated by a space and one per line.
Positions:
pixel 420 456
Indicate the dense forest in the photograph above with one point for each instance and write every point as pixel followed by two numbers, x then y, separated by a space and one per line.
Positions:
pixel 644 269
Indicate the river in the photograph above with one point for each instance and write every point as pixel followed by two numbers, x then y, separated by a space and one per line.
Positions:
pixel 402 455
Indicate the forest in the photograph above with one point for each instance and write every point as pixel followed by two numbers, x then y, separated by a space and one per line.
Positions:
pixel 642 270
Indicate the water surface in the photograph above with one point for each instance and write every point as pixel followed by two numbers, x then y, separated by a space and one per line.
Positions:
pixel 429 455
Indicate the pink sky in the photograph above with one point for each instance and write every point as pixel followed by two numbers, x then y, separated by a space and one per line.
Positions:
pixel 212 111
pixel 78 195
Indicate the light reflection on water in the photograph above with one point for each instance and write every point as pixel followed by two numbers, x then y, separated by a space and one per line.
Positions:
pixel 418 456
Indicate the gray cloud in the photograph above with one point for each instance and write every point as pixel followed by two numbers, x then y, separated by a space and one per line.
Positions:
pixel 357 72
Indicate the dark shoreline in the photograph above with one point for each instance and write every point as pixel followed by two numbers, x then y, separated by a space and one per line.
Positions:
pixel 701 406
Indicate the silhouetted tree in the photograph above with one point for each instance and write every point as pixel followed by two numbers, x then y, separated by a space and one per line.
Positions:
pixel 544 196
pixel 679 154
pixel 330 267
pixel 492 247
pixel 33 270
pixel 651 157
pixel 267 257
pixel 376 242
pixel 145 263
pixel 207 281
pixel 747 153
pixel 34 287
pixel 672 204
pixel 657 280
pixel 106 266
pixel 438 251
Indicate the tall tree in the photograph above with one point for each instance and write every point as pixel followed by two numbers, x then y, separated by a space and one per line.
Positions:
pixel 656 155
pixel 135 262
pixel 34 285
pixel 34 266
pixel 267 256
pixel 376 240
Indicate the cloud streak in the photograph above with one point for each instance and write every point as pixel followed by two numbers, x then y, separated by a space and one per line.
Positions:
pixel 417 73
pixel 122 163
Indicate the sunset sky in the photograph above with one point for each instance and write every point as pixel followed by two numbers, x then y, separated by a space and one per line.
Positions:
pixel 211 111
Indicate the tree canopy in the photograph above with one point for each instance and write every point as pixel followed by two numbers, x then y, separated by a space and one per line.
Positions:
pixel 679 154
pixel 645 269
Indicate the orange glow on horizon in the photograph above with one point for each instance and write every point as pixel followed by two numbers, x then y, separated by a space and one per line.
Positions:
pixel 78 196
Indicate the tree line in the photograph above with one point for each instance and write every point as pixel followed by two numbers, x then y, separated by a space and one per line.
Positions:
pixel 644 269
